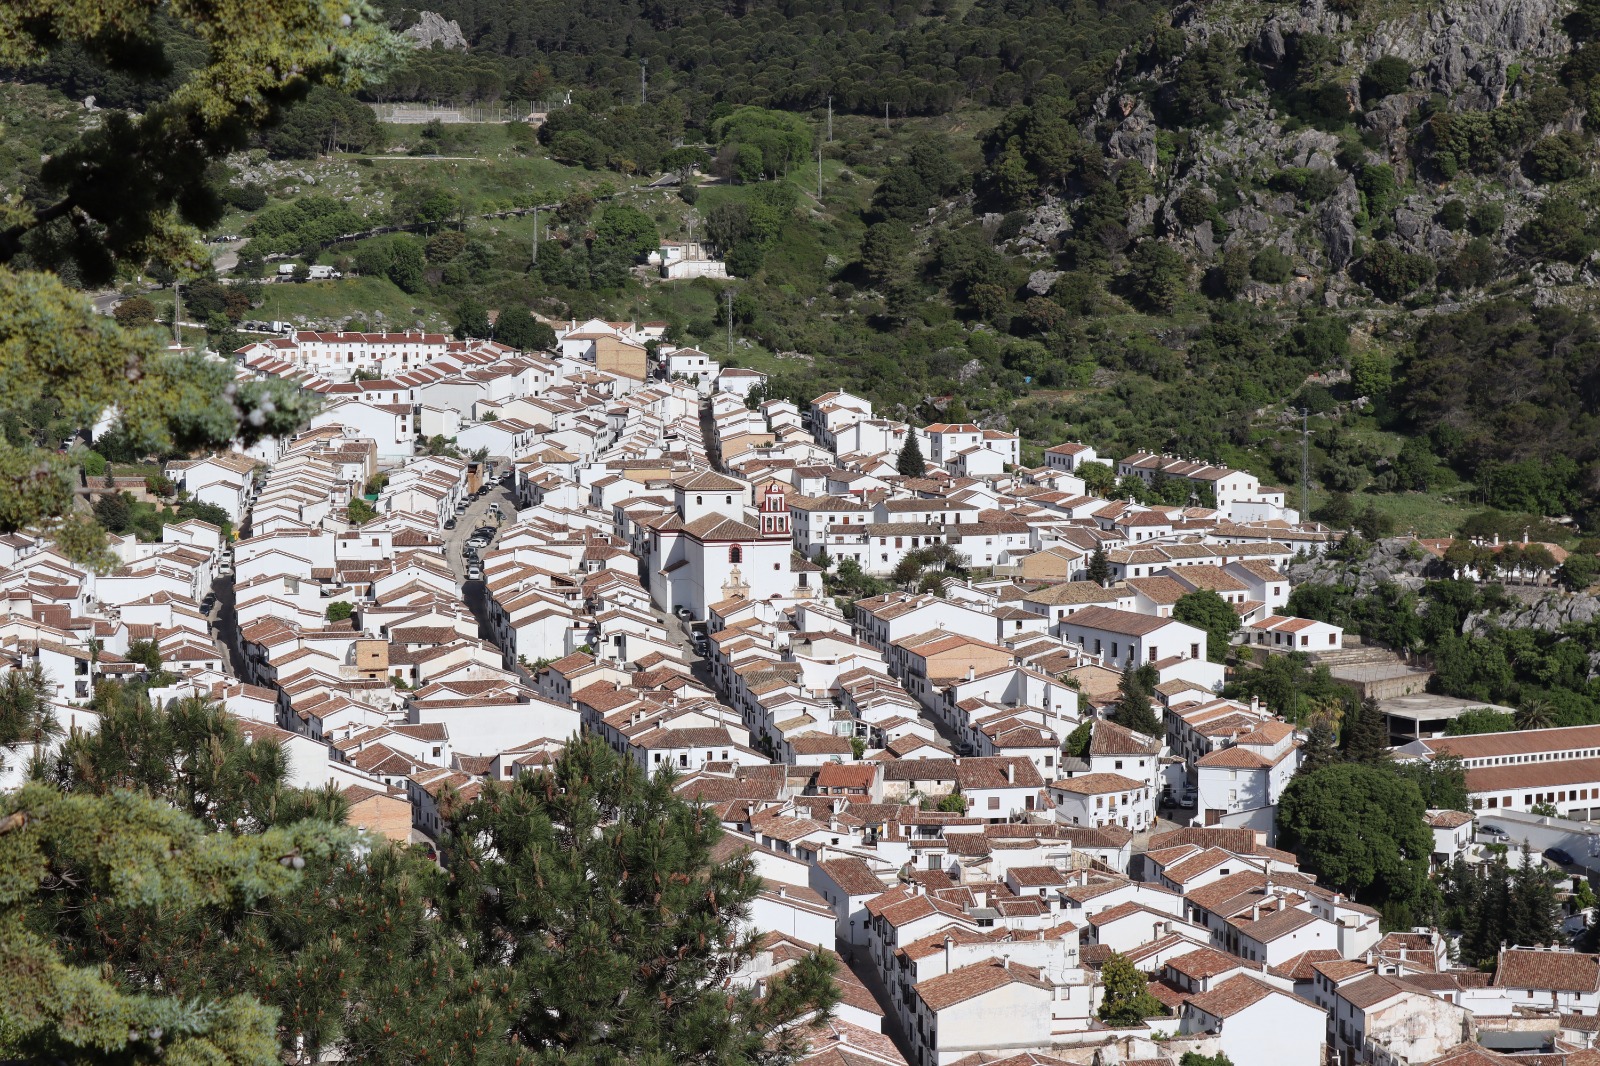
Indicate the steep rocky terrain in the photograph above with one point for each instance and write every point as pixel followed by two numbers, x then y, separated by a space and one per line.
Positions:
pixel 1259 142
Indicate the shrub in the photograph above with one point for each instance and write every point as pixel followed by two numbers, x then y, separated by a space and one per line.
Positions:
pixel 1555 158
pixel 1271 266
pixel 1487 219
pixel 1473 267
pixel 1393 274
pixel 1194 206
pixel 1559 230
pixel 1452 215
pixel 1383 77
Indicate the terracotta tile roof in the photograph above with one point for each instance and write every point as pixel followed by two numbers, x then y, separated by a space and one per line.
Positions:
pixel 1302 967
pixel 968 982
pixel 1562 971
pixel 1233 995
pixel 1207 962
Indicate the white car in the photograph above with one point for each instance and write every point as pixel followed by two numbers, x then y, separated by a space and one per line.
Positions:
pixel 474 573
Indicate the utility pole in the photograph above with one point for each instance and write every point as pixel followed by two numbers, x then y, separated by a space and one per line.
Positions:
pixel 643 62
pixel 535 234
pixel 1305 466
pixel 886 114
pixel 830 118
pixel 177 313
pixel 819 174
pixel 728 296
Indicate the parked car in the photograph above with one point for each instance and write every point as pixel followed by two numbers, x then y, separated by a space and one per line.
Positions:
pixel 1491 831
pixel 681 611
pixel 1558 856
pixel 449 523
pixel 485 531
pixel 1189 798
pixel 474 572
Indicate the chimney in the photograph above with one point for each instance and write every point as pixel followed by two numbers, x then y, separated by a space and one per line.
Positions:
pixel 1255 704
pixel 1011 773
pixel 971 672
pixel 949 942
pixel 1255 911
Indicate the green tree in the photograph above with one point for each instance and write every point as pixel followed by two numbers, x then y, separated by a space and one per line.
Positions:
pixel 886 252
pixel 1206 610
pixel 1076 746
pixel 1272 266
pixel 625 231
pixel 134 312
pixel 340 610
pixel 910 462
pixel 136 185
pixel 1127 993
pixel 1535 713
pixel 1364 737
pixel 155 865
pixel 360 511
pixel 146 653
pixel 1158 275
pixel 1135 696
pixel 1099 568
pixel 1360 829
pixel 114 510
pixel 519 329
pixel 56 354
pixel 640 972
pixel 407 263
pixel 1578 571
pixel 1441 782
pixel 26 716
pixel 472 320
pixel 1321 746
pixel 1480 720
pixel 1098 478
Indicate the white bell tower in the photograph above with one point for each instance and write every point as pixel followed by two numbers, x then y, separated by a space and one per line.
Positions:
pixel 774 512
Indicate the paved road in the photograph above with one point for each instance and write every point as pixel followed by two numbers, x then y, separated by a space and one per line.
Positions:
pixel 473 593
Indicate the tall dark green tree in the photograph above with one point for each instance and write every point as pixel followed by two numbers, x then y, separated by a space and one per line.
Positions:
pixel 1321 747
pixel 1206 610
pixel 1099 566
pixel 1136 694
pixel 1364 737
pixel 636 971
pixel 27 722
pixel 910 462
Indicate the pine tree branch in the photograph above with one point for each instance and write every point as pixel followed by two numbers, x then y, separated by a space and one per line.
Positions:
pixel 11 239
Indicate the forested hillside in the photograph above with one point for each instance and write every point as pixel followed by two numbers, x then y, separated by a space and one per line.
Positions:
pixel 1181 228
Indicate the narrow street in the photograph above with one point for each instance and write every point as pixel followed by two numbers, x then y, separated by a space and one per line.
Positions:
pixel 473 593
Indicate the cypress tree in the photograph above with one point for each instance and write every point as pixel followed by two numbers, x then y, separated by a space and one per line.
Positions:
pixel 1364 738
pixel 911 463
pixel 1099 567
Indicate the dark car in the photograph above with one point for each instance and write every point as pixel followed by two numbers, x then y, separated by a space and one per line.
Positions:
pixel 1491 831
pixel 485 531
pixel 1557 856
pixel 449 523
